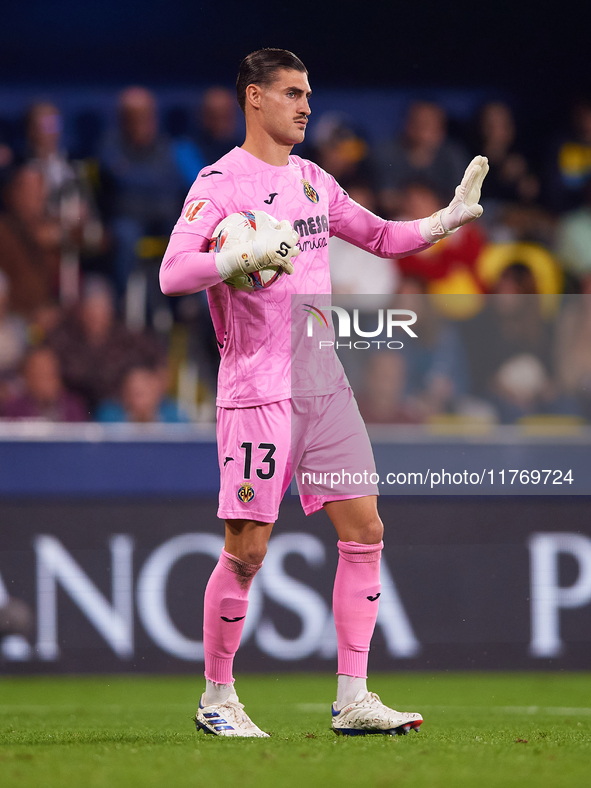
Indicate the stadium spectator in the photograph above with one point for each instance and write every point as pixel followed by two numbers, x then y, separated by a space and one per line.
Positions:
pixel 44 395
pixel 522 223
pixel 573 347
pixel 69 199
pixel 142 400
pixel 6 157
pixel 512 211
pixel 436 364
pixel 568 165
pixel 341 151
pixel 96 350
pixel 421 152
pixel 218 129
pixel 426 377
pixel 573 238
pixel 446 267
pixel 217 133
pixel 510 178
pixel 141 185
pixel 509 347
pixel 13 340
pixel 189 159
pixel 30 243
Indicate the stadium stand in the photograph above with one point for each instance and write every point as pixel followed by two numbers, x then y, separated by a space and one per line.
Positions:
pixel 109 205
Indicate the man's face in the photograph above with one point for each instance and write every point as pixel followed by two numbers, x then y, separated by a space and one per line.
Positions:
pixel 218 113
pixel 43 378
pixel 425 125
pixel 284 107
pixel 138 117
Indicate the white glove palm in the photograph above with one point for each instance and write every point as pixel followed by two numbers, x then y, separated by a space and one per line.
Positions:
pixel 274 243
pixel 463 208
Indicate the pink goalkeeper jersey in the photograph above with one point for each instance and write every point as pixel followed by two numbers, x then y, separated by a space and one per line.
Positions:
pixel 254 330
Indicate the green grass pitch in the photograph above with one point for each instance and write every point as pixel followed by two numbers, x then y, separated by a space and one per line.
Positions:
pixel 480 730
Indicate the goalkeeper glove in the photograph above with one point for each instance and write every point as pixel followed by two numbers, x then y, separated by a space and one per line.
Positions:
pixel 274 244
pixel 462 209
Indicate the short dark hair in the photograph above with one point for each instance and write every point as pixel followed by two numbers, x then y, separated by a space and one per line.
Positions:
pixel 259 68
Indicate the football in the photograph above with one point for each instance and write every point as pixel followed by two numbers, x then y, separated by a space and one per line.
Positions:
pixel 235 229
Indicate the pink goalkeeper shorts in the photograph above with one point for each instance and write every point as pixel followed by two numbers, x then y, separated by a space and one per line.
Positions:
pixel 322 439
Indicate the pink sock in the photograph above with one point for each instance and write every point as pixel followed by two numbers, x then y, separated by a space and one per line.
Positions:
pixel 355 604
pixel 226 603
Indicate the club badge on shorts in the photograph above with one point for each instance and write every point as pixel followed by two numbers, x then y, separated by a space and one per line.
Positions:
pixel 246 492
pixel 310 191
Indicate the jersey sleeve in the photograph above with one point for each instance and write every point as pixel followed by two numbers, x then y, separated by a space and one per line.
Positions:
pixel 354 223
pixel 187 266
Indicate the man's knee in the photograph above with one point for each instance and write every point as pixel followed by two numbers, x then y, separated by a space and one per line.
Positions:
pixel 356 519
pixel 253 554
pixel 247 540
pixel 370 531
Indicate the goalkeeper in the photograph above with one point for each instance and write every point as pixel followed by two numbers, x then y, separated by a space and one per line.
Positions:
pixel 266 435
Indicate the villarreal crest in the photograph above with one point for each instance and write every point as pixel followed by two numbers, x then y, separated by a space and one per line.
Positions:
pixel 310 191
pixel 245 492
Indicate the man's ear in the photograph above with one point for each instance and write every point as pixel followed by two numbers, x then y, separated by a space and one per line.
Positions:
pixel 253 95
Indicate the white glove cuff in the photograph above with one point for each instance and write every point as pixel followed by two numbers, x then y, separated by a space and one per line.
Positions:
pixel 241 259
pixel 432 228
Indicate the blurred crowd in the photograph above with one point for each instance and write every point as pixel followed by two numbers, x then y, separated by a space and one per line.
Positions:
pixel 85 333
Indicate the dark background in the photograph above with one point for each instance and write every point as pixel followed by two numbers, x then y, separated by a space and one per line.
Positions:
pixel 539 51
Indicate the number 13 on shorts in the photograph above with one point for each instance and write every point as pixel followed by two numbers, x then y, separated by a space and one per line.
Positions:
pixel 254 446
pixel 267 459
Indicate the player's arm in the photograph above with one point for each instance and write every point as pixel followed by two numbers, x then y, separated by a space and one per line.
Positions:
pixel 383 238
pixel 187 268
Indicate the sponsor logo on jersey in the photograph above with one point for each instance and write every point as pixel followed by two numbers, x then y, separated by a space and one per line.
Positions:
pixel 311 226
pixel 315 243
pixel 193 209
pixel 272 196
pixel 310 191
pixel 246 492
